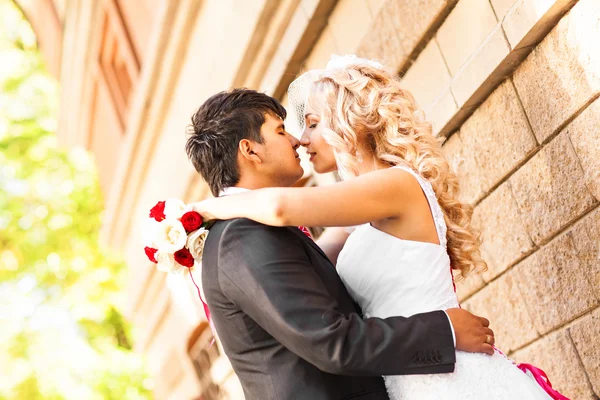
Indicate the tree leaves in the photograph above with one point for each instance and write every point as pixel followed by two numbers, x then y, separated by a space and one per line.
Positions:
pixel 62 335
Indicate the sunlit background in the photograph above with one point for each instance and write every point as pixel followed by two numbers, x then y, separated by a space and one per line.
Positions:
pixel 62 335
pixel 93 111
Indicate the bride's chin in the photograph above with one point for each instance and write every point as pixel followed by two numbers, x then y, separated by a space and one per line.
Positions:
pixel 321 169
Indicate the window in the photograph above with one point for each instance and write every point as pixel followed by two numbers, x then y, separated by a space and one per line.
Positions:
pixel 117 60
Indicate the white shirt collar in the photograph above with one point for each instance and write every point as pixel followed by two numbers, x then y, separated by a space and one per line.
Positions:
pixel 228 191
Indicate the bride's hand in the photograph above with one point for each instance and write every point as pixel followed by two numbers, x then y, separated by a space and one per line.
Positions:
pixel 206 209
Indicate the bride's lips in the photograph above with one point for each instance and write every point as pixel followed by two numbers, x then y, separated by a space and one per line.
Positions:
pixel 312 156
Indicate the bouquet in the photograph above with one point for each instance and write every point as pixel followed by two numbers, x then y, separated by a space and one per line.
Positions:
pixel 175 236
pixel 174 240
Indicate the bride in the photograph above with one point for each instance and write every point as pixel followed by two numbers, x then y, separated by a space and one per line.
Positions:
pixel 398 190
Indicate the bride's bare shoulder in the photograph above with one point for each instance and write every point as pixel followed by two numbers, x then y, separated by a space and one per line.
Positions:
pixel 396 179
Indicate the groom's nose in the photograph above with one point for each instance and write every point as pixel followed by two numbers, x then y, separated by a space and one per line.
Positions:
pixel 295 142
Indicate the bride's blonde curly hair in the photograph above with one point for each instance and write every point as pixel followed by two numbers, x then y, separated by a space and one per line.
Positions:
pixel 365 109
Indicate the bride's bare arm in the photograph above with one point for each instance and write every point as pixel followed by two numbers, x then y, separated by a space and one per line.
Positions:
pixel 370 197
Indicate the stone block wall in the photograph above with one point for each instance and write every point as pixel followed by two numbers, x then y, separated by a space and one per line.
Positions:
pixel 513 87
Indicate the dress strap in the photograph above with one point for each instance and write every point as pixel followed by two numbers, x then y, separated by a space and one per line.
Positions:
pixel 434 206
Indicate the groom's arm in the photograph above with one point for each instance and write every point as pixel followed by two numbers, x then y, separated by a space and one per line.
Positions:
pixel 266 272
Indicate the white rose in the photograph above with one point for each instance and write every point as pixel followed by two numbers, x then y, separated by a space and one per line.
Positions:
pixel 195 243
pixel 149 232
pixel 170 236
pixel 166 263
pixel 174 208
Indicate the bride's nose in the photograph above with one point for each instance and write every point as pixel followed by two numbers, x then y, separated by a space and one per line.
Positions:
pixel 304 139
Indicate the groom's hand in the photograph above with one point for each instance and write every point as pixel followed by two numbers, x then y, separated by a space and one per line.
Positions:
pixel 472 332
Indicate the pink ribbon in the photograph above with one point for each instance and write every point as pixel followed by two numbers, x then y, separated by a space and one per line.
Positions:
pixel 542 379
pixel 305 231
pixel 206 311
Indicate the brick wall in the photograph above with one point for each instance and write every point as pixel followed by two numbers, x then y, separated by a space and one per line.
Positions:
pixel 513 86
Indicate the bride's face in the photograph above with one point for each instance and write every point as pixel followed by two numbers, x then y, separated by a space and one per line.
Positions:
pixel 321 153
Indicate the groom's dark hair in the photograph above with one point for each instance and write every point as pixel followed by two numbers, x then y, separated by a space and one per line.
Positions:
pixel 217 128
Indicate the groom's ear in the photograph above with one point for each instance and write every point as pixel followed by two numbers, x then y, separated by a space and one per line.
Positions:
pixel 249 150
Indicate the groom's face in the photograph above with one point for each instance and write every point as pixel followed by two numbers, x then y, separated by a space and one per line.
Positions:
pixel 280 160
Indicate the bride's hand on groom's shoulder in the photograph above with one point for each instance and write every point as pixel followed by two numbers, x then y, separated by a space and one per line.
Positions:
pixel 473 333
pixel 205 209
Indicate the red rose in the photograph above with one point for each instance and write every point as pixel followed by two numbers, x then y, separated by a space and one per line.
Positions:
pixel 150 253
pixel 158 211
pixel 184 257
pixel 191 221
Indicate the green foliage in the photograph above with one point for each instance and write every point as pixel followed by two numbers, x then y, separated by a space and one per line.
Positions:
pixel 62 335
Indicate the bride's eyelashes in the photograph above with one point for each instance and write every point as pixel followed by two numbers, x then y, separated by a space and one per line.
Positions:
pixel 312 126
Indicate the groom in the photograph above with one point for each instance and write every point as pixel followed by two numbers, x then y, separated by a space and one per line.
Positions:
pixel 284 317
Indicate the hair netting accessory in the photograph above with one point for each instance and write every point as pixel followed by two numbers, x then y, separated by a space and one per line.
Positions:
pixel 298 92
pixel 299 89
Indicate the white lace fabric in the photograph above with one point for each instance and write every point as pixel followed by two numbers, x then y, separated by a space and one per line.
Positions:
pixel 388 276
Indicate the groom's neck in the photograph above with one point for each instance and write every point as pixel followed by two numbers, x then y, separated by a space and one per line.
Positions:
pixel 253 183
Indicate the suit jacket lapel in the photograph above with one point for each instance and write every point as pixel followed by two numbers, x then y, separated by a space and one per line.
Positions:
pixel 309 241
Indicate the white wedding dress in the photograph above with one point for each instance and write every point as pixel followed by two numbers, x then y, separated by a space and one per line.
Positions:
pixel 388 276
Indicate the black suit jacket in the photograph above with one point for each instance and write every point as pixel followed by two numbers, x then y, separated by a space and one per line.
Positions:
pixel 290 328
